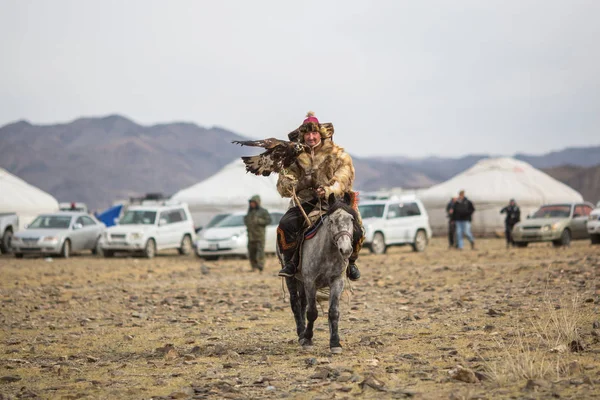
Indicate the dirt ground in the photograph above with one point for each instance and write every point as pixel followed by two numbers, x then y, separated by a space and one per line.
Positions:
pixel 487 323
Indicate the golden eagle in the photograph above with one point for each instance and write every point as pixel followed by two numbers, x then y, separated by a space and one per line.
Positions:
pixel 280 154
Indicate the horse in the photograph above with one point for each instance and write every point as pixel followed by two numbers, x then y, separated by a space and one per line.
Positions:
pixel 323 262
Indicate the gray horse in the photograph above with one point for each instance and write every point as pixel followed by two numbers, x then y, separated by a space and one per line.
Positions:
pixel 324 259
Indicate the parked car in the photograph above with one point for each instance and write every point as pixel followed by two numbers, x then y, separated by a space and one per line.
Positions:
pixel 150 228
pixel 229 237
pixel 213 221
pixel 395 222
pixel 60 233
pixel 556 223
pixel 9 224
pixel 593 226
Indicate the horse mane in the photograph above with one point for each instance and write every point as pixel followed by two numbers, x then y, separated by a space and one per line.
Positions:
pixel 343 204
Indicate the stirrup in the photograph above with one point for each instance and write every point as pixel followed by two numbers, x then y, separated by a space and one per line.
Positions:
pixel 289 270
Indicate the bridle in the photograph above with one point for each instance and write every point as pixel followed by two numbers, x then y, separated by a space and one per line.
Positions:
pixel 339 234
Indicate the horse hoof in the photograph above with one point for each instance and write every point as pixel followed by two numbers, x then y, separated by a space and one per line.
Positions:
pixel 336 350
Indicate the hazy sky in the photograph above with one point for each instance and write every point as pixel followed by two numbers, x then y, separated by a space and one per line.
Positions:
pixel 395 77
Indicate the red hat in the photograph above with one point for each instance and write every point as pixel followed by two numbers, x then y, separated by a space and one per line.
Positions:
pixel 310 117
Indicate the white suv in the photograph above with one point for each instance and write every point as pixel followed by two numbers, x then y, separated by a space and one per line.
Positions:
pixel 593 225
pixel 395 222
pixel 149 228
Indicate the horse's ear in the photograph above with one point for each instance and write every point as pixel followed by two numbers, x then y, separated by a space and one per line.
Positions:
pixel 331 199
pixel 347 198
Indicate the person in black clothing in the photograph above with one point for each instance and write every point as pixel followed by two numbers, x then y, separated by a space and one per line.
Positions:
pixel 462 212
pixel 513 215
pixel 451 224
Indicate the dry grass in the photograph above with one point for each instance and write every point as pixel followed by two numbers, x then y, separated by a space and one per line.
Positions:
pixel 95 328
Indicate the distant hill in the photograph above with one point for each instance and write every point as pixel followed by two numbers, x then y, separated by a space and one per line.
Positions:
pixel 441 169
pixel 100 160
pixel 585 180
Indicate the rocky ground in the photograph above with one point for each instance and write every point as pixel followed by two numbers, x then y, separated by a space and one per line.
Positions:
pixel 488 323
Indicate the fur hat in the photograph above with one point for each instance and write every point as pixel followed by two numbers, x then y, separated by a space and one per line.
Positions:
pixel 311 124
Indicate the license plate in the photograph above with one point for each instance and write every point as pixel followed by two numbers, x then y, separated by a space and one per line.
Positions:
pixel 213 246
pixel 119 243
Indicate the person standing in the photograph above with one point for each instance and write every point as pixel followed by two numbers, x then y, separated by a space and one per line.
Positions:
pixel 256 221
pixel 513 215
pixel 451 223
pixel 462 212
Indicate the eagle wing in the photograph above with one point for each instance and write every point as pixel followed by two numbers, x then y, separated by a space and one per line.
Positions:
pixel 265 143
pixel 280 154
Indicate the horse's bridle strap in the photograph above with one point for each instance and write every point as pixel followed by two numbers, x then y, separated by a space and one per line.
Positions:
pixel 340 234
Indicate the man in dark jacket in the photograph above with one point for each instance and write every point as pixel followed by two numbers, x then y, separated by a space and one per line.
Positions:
pixel 451 224
pixel 256 222
pixel 513 215
pixel 462 212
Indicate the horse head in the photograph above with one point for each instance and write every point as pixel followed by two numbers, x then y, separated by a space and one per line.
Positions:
pixel 340 224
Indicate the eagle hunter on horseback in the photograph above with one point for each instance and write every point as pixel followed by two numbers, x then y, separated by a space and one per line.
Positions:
pixel 321 234
pixel 311 168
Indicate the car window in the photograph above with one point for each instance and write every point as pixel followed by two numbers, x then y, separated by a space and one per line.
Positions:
pixel 165 215
pixel 51 222
pixel 393 211
pixel 587 210
pixel 133 217
pixel 371 210
pixel 183 214
pixel 410 210
pixel 79 221
pixel 174 216
pixel 215 220
pixel 555 211
pixel 230 221
pixel 580 211
pixel 275 218
pixel 87 221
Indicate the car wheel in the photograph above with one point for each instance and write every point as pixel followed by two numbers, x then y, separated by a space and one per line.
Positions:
pixel 420 241
pixel 521 244
pixel 150 249
pixel 108 253
pixel 378 245
pixel 595 239
pixel 186 246
pixel 18 255
pixel 65 252
pixel 565 239
pixel 5 241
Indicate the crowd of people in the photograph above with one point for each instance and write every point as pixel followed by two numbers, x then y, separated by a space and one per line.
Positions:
pixel 459 211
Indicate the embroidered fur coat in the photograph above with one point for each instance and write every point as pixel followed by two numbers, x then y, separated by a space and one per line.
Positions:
pixel 327 166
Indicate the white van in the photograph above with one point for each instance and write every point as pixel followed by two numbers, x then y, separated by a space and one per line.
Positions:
pixel 150 228
pixel 395 222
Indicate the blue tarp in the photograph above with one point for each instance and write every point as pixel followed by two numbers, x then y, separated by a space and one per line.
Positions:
pixel 108 216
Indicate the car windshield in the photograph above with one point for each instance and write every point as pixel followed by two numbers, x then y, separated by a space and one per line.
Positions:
pixel 215 220
pixel 371 210
pixel 557 211
pixel 51 222
pixel 230 221
pixel 138 217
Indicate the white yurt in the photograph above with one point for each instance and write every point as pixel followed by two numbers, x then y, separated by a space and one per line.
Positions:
pixel 18 196
pixel 490 184
pixel 229 190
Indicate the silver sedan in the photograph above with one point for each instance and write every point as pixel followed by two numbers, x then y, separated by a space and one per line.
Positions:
pixel 60 233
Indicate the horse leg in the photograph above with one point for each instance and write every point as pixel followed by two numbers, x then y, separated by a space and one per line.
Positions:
pixel 296 293
pixel 335 292
pixel 312 313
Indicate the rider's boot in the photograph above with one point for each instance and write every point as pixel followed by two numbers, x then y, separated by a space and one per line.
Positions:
pixel 352 271
pixel 289 263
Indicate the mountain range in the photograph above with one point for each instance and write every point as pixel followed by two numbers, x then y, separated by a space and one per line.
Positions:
pixel 100 160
